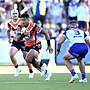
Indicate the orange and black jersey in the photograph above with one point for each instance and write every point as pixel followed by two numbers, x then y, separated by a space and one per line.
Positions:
pixel 14 27
pixel 33 38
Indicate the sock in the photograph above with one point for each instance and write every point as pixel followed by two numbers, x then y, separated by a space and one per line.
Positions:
pixel 83 74
pixel 16 66
pixel 46 72
pixel 39 64
pixel 30 70
pixel 73 72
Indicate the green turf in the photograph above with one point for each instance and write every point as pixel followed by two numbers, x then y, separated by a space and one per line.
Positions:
pixel 57 82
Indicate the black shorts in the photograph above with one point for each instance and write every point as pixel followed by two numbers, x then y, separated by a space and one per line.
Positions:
pixel 36 47
pixel 19 45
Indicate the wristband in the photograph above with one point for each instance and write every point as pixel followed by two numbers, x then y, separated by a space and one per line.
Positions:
pixel 58 50
pixel 48 43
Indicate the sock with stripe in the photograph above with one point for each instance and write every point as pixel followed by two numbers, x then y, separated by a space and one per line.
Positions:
pixel 83 74
pixel 72 72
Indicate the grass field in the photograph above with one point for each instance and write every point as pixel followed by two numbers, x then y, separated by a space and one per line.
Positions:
pixel 59 81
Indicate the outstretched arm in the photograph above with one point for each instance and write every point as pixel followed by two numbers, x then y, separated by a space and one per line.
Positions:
pixel 8 35
pixel 61 40
pixel 48 40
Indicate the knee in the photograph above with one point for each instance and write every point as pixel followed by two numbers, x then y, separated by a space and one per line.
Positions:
pixel 11 55
pixel 79 59
pixel 65 58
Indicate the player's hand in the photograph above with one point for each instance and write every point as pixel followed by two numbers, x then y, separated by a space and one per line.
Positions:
pixel 57 52
pixel 50 49
pixel 9 40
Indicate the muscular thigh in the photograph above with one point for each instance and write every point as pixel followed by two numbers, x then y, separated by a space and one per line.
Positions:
pixel 13 50
pixel 32 53
pixel 67 56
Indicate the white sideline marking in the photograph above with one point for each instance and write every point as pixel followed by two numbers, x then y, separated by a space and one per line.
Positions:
pixel 30 82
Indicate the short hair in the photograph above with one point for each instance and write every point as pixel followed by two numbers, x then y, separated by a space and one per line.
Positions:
pixel 81 1
pixel 72 21
pixel 25 15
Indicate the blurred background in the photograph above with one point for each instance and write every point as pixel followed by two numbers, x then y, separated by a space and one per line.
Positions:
pixel 54 16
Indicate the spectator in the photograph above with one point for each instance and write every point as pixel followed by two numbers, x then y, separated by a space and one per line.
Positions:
pixel 56 11
pixel 20 6
pixel 83 15
pixel 89 14
pixel 39 10
pixel 66 4
pixel 28 4
pixel 8 5
pixel 2 13
pixel 72 14
pixel 48 15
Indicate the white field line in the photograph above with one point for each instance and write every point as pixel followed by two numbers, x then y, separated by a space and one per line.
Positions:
pixel 46 82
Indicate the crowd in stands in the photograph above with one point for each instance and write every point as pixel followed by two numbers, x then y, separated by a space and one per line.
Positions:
pixel 54 15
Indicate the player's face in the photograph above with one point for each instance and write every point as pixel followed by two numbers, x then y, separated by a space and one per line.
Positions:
pixel 25 22
pixel 15 15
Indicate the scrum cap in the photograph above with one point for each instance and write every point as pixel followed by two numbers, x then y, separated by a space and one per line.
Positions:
pixel 14 11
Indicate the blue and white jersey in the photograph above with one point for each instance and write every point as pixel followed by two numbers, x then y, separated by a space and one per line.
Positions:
pixel 75 36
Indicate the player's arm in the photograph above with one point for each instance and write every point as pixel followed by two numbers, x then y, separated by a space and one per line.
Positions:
pixel 44 32
pixel 8 34
pixel 87 40
pixel 61 40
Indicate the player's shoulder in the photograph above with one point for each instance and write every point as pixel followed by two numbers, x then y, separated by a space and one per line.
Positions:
pixel 31 23
pixel 10 20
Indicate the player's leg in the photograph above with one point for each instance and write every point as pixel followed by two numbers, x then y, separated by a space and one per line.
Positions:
pixel 82 55
pixel 67 57
pixel 82 70
pixel 31 73
pixel 12 53
pixel 32 57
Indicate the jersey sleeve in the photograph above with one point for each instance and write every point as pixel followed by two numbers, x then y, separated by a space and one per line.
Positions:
pixel 64 34
pixel 86 37
pixel 38 28
pixel 8 25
